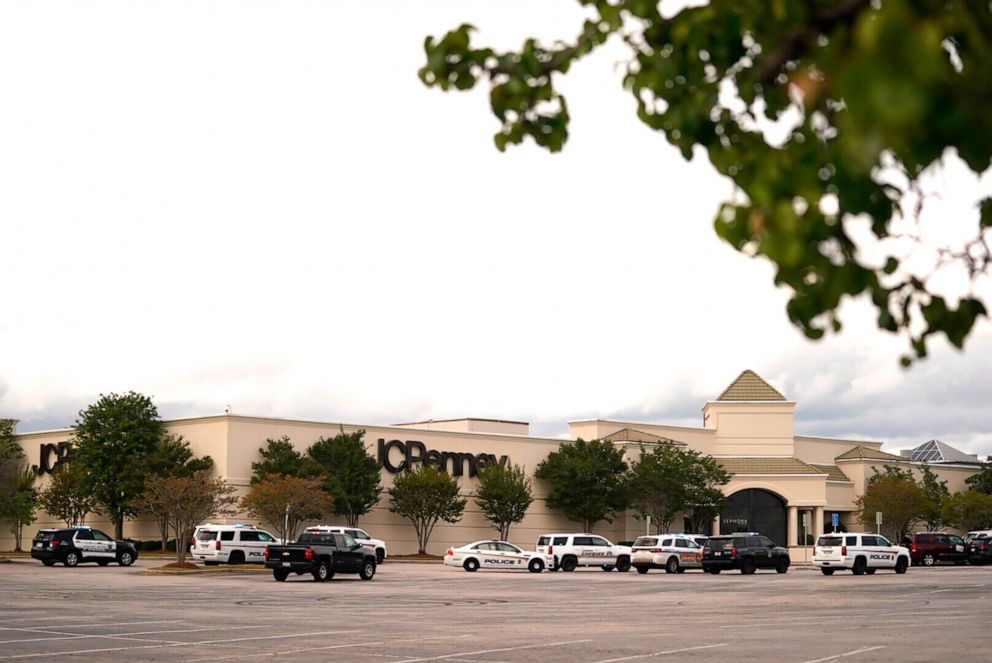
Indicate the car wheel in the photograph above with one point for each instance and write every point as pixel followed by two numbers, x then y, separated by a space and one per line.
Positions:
pixel 928 559
pixel 641 569
pixel 860 566
pixel 323 572
pixel 471 565
pixel 125 558
pixel 747 567
pixel 535 566
pixel 782 566
pixel 901 565
pixel 568 564
pixel 48 562
pixel 368 570
pixel 280 574
pixel 236 557
pixel 607 567
pixel 380 555
pixel 623 564
pixel 870 572
pixel 826 571
pixel 672 565
pixel 71 559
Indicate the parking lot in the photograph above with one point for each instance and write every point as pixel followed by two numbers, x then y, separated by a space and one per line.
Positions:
pixel 426 612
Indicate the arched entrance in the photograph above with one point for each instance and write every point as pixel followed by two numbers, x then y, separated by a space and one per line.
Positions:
pixel 756 510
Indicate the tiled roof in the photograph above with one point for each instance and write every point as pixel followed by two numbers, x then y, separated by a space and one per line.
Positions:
pixel 631 435
pixel 871 454
pixel 767 466
pixel 833 472
pixel 936 451
pixel 750 387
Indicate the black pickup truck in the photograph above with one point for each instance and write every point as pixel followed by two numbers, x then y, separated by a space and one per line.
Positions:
pixel 322 555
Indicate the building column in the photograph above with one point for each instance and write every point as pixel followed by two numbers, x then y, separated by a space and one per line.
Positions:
pixel 716 526
pixel 817 522
pixel 793 526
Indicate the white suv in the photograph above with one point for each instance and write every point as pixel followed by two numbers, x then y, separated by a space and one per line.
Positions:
pixel 569 551
pixel 672 552
pixel 860 553
pixel 233 544
pixel 378 546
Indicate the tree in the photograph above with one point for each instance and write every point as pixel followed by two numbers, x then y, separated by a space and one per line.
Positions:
pixel 968 510
pixel 424 495
pixel 982 482
pixel 351 475
pixel 68 495
pixel 876 94
pixel 286 501
pixel 280 457
pixel 113 438
pixel 184 501
pixel 504 495
pixel 588 481
pixel 17 494
pixel 173 457
pixel 936 493
pixel 896 494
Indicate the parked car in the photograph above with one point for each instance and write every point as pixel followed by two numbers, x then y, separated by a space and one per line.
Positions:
pixel 859 553
pixel 570 551
pixel 977 534
pixel 746 552
pixel 928 548
pixel 672 552
pixel 495 555
pixel 980 548
pixel 378 546
pixel 75 545
pixel 322 555
pixel 230 544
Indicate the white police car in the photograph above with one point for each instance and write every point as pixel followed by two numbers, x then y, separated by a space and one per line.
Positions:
pixel 859 553
pixel 378 546
pixel 230 544
pixel 672 552
pixel 495 555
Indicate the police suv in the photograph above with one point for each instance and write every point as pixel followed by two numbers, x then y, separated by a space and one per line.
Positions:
pixel 74 545
pixel 859 553
pixel 569 551
pixel 672 552
pixel 378 546
pixel 231 544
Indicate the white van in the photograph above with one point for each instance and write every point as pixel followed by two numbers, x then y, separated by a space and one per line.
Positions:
pixel 230 544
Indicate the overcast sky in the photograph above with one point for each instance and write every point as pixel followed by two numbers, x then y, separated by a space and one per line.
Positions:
pixel 257 204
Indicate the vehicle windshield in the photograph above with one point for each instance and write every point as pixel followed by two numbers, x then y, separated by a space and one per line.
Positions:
pixel 828 541
pixel 720 544
pixel 44 536
pixel 206 535
pixel 645 541
pixel 358 534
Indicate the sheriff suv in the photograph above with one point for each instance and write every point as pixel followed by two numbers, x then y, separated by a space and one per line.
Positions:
pixel 74 545
pixel 858 553
pixel 744 551
pixel 231 544
pixel 569 551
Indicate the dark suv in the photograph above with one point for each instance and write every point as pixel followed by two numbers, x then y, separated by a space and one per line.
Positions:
pixel 746 552
pixel 980 550
pixel 928 548
pixel 72 545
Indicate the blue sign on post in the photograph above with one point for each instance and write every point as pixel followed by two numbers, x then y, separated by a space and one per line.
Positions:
pixel 835 520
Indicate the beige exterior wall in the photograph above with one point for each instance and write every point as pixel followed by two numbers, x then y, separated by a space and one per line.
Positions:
pixel 732 429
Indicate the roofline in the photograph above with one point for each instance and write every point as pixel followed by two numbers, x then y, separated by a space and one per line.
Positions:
pixel 444 421
pixel 781 402
pixel 636 423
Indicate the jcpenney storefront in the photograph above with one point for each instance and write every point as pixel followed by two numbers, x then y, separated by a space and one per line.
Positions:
pixel 779 480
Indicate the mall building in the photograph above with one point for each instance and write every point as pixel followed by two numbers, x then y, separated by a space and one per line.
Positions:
pixel 782 484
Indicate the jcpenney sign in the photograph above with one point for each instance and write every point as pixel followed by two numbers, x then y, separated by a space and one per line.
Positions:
pixel 398 455
pixel 51 456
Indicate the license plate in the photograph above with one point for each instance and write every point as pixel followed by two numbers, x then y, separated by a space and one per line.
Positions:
pixel 717 554
pixel 39 545
pixel 285 563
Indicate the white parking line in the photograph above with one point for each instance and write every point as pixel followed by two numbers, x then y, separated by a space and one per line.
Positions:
pixel 863 650
pixel 39 628
pixel 123 636
pixel 493 651
pixel 661 653
pixel 172 644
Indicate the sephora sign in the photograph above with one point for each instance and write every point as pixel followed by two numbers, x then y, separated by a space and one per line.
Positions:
pixel 398 455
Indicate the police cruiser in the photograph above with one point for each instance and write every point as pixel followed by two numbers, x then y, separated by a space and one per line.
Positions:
pixel 859 553
pixel 495 555
pixel 75 545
